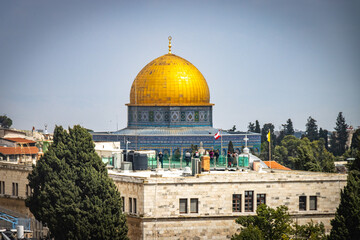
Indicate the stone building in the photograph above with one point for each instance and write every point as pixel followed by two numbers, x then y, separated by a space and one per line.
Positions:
pixel 14 189
pixel 167 205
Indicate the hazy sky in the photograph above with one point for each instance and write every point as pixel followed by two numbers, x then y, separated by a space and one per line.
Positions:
pixel 73 62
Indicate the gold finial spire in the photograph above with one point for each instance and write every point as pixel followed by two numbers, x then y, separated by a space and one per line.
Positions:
pixel 169 44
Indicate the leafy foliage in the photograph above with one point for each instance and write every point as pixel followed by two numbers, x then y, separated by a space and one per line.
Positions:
pixel 251 232
pixel 301 154
pixel 276 224
pixel 310 231
pixel 72 193
pixel 5 121
pixel 273 223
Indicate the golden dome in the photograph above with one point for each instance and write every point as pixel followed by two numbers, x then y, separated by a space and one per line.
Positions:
pixel 169 80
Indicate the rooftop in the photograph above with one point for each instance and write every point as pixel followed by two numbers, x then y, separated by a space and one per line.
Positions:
pixel 20 140
pixel 18 150
pixel 275 165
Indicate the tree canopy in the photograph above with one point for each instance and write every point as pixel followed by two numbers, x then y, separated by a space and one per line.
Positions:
pixel 289 128
pixel 311 129
pixel 301 154
pixel 323 133
pixel 276 224
pixel 72 193
pixel 339 139
pixel 257 127
pixel 5 121
pixel 251 127
pixel 346 224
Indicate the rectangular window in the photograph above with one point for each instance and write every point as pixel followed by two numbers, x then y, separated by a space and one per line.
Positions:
pixel 130 205
pixel 302 203
pixel 249 201
pixel 183 205
pixel 313 203
pixel 15 189
pixel 194 205
pixel 2 187
pixel 236 204
pixel 28 190
pixel 261 199
pixel 134 205
pixel 123 203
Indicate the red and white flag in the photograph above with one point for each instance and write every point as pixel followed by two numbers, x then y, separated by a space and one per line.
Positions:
pixel 217 135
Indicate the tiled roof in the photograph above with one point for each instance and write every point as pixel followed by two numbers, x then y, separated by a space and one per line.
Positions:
pixel 20 140
pixel 275 165
pixel 18 150
pixel 170 131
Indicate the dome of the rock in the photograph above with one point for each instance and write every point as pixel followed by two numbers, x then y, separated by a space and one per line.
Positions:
pixel 169 80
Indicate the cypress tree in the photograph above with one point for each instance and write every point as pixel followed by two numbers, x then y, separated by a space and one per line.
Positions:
pixel 311 129
pixel 324 135
pixel 257 127
pixel 289 128
pixel 231 147
pixel 341 135
pixel 72 193
pixel 251 127
pixel 346 224
pixel 355 141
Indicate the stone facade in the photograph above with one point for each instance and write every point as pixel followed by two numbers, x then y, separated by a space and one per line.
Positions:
pixel 158 200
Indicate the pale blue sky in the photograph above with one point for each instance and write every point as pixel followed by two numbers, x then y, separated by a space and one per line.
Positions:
pixel 69 62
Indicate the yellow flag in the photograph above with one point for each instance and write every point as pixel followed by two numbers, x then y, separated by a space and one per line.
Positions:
pixel 268 136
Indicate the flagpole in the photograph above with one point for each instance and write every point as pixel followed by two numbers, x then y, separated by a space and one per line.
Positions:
pixel 270 149
pixel 221 142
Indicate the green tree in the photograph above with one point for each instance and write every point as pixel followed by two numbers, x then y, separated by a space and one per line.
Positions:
pixel 265 130
pixel 251 127
pixel 273 223
pixel 346 224
pixel 301 154
pixel 276 224
pixel 289 128
pixel 257 127
pixel 356 164
pixel 249 233
pixel 310 231
pixel 323 134
pixel 194 148
pixel 355 140
pixel 340 137
pixel 5 121
pixel 311 129
pixel 232 129
pixel 231 147
pixel 72 193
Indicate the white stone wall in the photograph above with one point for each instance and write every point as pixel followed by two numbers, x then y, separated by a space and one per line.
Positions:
pixel 160 200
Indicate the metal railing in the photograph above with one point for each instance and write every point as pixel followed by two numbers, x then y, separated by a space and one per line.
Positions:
pixel 179 163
